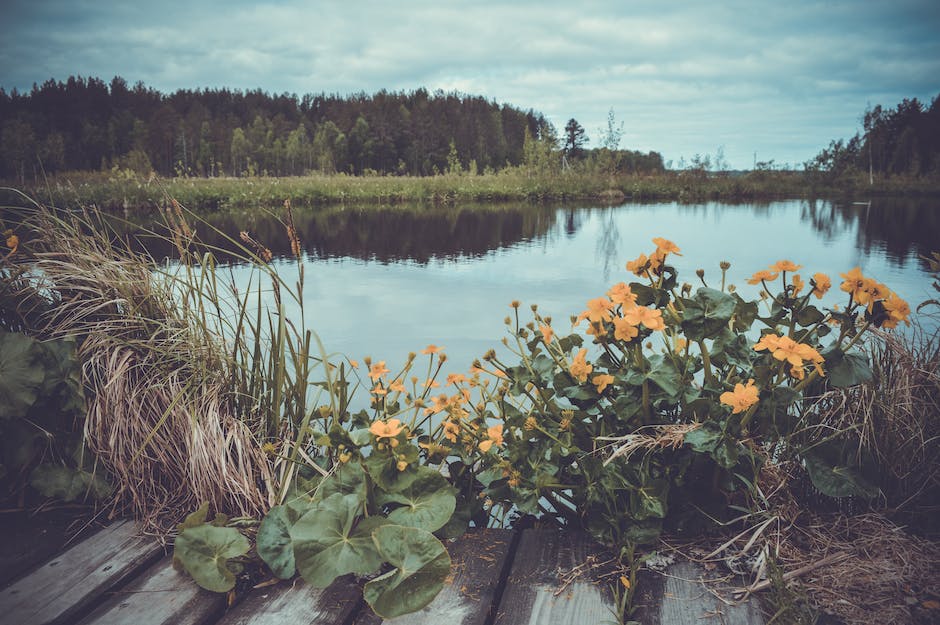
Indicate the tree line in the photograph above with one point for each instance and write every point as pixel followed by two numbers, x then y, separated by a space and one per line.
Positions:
pixel 904 140
pixel 88 124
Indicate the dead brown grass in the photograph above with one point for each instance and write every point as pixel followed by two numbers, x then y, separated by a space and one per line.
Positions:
pixel 161 414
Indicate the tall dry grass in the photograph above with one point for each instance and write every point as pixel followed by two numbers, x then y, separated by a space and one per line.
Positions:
pixel 188 377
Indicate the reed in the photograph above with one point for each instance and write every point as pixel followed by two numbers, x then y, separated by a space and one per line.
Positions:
pixel 199 392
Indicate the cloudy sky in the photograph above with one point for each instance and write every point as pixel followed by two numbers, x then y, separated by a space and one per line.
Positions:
pixel 779 78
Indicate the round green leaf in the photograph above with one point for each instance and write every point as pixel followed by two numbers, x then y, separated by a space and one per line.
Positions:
pixel 421 565
pixel 427 503
pixel 204 552
pixel 328 542
pixel 274 542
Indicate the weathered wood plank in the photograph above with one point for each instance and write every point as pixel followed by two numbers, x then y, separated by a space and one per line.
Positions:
pixel 70 584
pixel 28 540
pixel 159 596
pixel 684 594
pixel 478 559
pixel 297 603
pixel 687 600
pixel 539 588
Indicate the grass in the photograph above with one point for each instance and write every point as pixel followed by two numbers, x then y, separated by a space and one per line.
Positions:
pixel 122 189
pixel 189 377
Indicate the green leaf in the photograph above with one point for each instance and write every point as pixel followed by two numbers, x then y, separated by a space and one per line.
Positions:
pixel 274 543
pixel 21 374
pixel 68 484
pixel 664 374
pixel 204 552
pixel 706 313
pixel 346 479
pixel 427 503
pixel 421 565
pixel 195 518
pixel 383 468
pixel 744 313
pixel 846 368
pixel 328 543
pixel 703 439
pixel 834 475
pixel 808 316
pixel 649 501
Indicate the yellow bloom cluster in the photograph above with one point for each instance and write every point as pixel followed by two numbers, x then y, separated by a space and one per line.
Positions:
pixel 867 291
pixel 784 348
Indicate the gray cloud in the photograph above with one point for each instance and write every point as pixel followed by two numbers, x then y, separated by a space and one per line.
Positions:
pixel 779 79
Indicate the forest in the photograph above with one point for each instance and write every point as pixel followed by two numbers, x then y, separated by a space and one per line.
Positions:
pixel 88 124
pixel 900 141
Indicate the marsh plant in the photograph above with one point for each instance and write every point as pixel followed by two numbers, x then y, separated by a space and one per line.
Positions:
pixel 653 409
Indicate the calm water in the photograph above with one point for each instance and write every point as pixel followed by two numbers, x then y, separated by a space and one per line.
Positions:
pixel 386 282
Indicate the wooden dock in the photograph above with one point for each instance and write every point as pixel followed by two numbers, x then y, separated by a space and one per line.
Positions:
pixel 498 577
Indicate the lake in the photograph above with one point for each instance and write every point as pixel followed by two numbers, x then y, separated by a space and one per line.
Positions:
pixel 384 282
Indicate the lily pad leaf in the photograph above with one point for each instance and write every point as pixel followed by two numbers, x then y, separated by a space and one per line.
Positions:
pixel 205 551
pixel 421 565
pixel 328 543
pixel 274 543
pixel 427 503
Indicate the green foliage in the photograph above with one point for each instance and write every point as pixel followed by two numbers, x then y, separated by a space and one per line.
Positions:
pixel 206 551
pixel 690 421
pixel 40 382
pixel 421 564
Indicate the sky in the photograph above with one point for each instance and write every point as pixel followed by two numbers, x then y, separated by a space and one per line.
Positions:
pixel 759 80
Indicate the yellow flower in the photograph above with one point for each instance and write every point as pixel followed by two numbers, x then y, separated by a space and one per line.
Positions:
pixel 455 378
pixel 620 294
pixel 821 283
pixel 650 317
pixel 547 333
pixel 639 266
pixel 741 398
pixel 786 349
pixel 624 330
pixel 598 310
pixel 680 344
pixel 494 436
pixel 798 284
pixel 784 265
pixel 431 349
pixel 401 465
pixel 386 429
pixel 439 403
pixel 579 367
pixel 897 309
pixel 876 291
pixel 377 370
pixel 396 385
pixel 451 431
pixel 665 246
pixel 13 242
pixel 530 423
pixel 354 364
pixel 379 390
pixel 854 283
pixel 431 383
pixel 762 275
pixel 602 381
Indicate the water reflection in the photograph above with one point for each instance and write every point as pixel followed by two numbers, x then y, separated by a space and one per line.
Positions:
pixel 386 282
